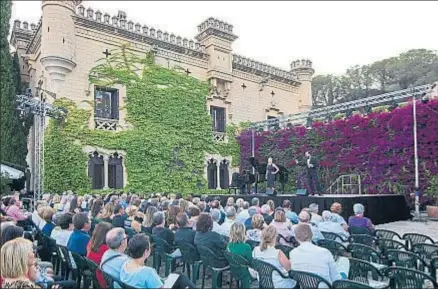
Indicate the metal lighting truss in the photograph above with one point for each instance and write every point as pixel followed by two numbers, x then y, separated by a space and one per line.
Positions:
pixel 301 118
pixel 40 110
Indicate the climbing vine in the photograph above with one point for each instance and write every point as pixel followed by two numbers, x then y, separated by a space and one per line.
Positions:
pixel 169 133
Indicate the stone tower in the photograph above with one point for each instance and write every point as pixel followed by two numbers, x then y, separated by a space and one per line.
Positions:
pixel 217 37
pixel 58 43
pixel 304 71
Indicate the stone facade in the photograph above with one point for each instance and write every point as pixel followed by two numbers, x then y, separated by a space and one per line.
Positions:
pixel 59 52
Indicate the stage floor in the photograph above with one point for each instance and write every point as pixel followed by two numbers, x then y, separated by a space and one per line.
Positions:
pixel 380 208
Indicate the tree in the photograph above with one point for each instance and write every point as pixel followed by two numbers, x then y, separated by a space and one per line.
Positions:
pixel 12 136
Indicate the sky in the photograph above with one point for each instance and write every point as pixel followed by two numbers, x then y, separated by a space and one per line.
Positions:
pixel 334 35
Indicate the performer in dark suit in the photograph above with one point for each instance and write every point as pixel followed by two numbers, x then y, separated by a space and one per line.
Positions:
pixel 312 174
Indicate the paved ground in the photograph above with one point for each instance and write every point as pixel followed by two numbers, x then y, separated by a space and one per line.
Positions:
pixel 429 227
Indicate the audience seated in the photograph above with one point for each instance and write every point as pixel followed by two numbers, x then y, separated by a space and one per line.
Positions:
pixel 328 225
pixel 79 238
pixel 119 216
pixel 148 222
pixel 230 213
pixel 61 234
pixel 315 218
pixel 237 244
pixel 304 218
pixel 216 216
pixel 308 257
pixel 194 215
pixel 268 213
pixel 97 246
pixel 282 226
pixel 255 202
pixel 114 258
pixel 248 222
pixel 47 217
pixel 258 223
pixel 243 214
pixel 358 220
pixel 13 211
pixel 184 233
pixel 212 240
pixel 269 254
pixel 291 215
pixel 336 210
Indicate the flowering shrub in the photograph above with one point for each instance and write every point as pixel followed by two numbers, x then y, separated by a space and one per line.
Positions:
pixel 379 147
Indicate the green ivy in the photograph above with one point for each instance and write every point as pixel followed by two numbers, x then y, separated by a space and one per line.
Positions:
pixel 171 130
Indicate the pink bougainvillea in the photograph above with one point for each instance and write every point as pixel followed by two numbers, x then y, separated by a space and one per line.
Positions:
pixel 379 147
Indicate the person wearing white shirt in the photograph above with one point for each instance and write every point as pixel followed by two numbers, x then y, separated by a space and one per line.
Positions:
pixel 215 216
pixel 328 225
pixel 243 215
pixel 315 218
pixel 304 218
pixel 308 257
pixel 336 210
pixel 230 213
pixel 61 234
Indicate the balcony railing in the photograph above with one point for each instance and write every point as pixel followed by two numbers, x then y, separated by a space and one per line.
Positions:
pixel 105 124
pixel 219 136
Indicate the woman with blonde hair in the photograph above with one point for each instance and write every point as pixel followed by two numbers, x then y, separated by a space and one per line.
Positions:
pixel 282 226
pixel 184 206
pixel 230 201
pixel 269 254
pixel 56 200
pixel 137 223
pixel 108 212
pixel 148 222
pixel 18 265
pixel 131 211
pixel 238 246
pixel 258 224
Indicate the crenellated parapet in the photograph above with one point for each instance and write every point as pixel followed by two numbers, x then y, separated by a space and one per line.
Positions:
pixel 261 69
pixel 302 67
pixel 215 27
pixel 22 34
pixel 128 29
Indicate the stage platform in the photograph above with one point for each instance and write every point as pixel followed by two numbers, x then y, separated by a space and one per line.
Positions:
pixel 380 208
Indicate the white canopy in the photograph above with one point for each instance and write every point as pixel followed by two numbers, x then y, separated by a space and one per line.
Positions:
pixel 10 172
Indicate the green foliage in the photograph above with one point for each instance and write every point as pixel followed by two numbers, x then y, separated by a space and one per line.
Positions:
pixel 414 67
pixel 13 133
pixel 432 190
pixel 170 134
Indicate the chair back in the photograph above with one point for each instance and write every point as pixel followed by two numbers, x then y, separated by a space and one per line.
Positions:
pixel 265 271
pixel 337 249
pixel 208 257
pixel 363 239
pixel 413 238
pixel 387 234
pixel 307 280
pixel 389 244
pixel 359 231
pixel 405 259
pixel 111 281
pixel 348 284
pixel 404 278
pixel 189 253
pixel 285 249
pixel 252 243
pixel 366 253
pixel 67 257
pixel 95 271
pixel 361 271
pixel 238 265
pixel 425 251
pixel 333 236
pixel 80 262
pixel 162 245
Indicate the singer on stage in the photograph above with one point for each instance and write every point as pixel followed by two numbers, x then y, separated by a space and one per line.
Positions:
pixel 312 174
pixel 271 170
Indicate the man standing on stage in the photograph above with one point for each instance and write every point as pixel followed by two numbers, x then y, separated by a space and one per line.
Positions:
pixel 312 174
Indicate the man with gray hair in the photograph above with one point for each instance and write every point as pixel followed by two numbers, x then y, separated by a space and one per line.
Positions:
pixel 230 213
pixel 329 226
pixel 304 218
pixel 256 203
pixel 308 257
pixel 315 218
pixel 115 257
pixel 215 216
pixel 243 214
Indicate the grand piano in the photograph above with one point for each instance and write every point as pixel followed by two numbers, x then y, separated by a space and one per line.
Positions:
pixel 281 177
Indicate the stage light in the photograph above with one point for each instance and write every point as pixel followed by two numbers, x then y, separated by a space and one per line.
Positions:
pixel 348 113
pixel 309 122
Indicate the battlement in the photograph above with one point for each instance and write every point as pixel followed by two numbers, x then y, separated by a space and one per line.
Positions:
pixel 120 21
pixel 262 69
pixel 302 65
pixel 22 33
pixel 24 27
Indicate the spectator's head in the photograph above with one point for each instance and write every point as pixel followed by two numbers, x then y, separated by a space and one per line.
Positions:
pixel 158 219
pixel 10 233
pixel 124 196
pixel 119 210
pixel 215 214
pixel 286 204
pixel 204 223
pixel 266 209
pixel 194 211
pixel 314 208
pixel 257 221
pixel 183 205
pixel 108 210
pixel 252 211
pixel 131 211
pixel 182 220
pixel 215 204
pixel 81 222
pixel 97 207
pixel 148 218
pixel 239 202
pixel 255 201
pixel 271 205
pixel 136 202
pixel 230 212
pixel 303 233
pixel 139 247
pixel 137 222
pixel 304 217
pixel 16 257
pixel 237 233
pixel 336 208
pixel 65 221
pixel 358 209
pixel 41 209
pixel 268 237
pixel 99 235
pixel 116 239
pixel 245 205
pixel 202 206
pixel 48 214
pixel 326 215
pixel 172 213
pixel 56 198
pixel 204 197
pixel 196 200
pixel 230 201
pixel 280 216
pixel 306 209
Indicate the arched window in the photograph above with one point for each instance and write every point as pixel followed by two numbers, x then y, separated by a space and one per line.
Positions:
pixel 115 171
pixel 224 174
pixel 96 170
pixel 212 174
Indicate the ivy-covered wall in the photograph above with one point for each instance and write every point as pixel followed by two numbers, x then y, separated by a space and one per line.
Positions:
pixel 168 114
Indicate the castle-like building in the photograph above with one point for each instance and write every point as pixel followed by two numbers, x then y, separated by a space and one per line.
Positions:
pixel 58 53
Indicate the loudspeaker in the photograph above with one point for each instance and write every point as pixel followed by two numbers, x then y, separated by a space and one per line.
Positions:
pixel 301 191
pixel 271 192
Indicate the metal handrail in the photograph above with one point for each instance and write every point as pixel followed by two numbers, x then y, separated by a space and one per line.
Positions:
pixel 341 184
